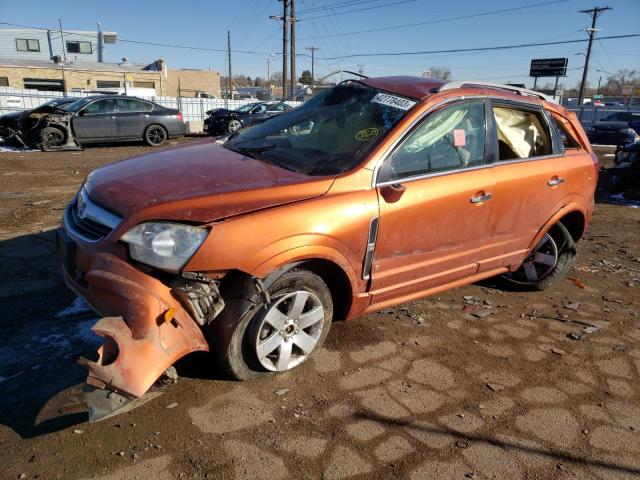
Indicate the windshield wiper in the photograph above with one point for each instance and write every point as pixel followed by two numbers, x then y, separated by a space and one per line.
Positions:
pixel 255 152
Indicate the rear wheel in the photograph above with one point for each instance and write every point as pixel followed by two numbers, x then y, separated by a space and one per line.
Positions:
pixel 281 336
pixel 549 261
pixel 233 126
pixel 50 138
pixel 155 135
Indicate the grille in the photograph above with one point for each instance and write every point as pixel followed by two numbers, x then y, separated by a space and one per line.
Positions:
pixel 89 221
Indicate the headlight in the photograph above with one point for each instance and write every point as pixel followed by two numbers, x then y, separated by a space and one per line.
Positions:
pixel 627 131
pixel 590 129
pixel 167 246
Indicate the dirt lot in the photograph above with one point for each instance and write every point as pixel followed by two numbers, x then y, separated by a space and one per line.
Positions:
pixel 431 389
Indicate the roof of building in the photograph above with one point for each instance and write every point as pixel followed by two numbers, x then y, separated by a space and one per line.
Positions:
pixel 99 66
pixel 414 87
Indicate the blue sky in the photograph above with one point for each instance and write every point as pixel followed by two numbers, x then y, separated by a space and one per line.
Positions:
pixel 205 24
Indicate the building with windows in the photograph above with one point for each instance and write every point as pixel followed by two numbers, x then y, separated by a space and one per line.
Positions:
pixel 40 44
pixel 46 60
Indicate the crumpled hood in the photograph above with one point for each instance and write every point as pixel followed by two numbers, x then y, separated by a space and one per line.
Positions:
pixel 198 182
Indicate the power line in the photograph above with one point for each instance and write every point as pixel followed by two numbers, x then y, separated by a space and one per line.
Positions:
pixel 476 49
pixel 345 4
pixel 361 9
pixel 450 19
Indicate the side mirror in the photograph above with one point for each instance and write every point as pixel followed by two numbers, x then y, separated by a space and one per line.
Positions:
pixel 81 113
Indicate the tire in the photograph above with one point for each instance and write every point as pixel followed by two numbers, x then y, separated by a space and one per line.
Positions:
pixel 557 238
pixel 155 135
pixel 255 347
pixel 50 138
pixel 233 125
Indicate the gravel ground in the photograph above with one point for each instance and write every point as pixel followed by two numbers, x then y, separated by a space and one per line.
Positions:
pixel 475 383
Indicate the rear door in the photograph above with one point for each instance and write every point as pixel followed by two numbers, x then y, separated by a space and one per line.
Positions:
pixel 96 122
pixel 530 172
pixel 132 117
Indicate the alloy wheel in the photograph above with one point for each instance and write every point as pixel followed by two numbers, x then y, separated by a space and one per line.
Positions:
pixel 289 330
pixel 540 262
pixel 53 139
pixel 156 135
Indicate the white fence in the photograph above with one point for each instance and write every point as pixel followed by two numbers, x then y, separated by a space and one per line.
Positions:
pixel 193 109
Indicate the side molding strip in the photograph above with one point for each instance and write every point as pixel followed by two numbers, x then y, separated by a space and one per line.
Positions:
pixel 371 245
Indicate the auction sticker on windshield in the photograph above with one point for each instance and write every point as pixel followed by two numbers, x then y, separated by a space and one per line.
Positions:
pixel 393 101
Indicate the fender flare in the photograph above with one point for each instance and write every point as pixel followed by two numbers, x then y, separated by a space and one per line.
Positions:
pixel 555 218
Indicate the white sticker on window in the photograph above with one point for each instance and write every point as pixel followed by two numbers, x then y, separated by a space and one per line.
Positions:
pixel 393 101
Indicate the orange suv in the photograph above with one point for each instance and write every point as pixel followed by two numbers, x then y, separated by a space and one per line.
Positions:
pixel 373 193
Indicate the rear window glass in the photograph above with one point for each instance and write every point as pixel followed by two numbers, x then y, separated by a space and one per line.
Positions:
pixel 568 139
pixel 521 134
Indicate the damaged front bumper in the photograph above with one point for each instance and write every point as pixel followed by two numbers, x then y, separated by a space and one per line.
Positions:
pixel 146 329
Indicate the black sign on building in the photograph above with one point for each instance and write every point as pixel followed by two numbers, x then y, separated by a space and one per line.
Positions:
pixel 548 67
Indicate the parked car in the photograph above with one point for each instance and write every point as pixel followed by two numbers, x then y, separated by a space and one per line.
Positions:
pixel 222 120
pixel 373 193
pixel 101 119
pixel 614 129
pixel 13 122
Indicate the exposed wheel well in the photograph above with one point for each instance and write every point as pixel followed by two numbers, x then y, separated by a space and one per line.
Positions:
pixel 574 222
pixel 338 284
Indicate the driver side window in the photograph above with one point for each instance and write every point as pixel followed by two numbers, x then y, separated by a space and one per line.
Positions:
pixel 451 139
pixel 99 107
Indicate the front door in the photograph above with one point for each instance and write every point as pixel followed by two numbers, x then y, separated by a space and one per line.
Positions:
pixel 435 195
pixel 96 121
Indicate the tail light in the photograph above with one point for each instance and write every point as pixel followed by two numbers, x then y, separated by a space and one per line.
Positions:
pixel 180 117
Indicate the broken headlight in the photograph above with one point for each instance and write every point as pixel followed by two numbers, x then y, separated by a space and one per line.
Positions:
pixel 167 246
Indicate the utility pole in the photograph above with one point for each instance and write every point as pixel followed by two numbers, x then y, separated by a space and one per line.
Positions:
pixel 294 80
pixel 229 78
pixel 360 69
pixel 594 12
pixel 285 43
pixel 313 56
pixel 64 55
pixel 269 69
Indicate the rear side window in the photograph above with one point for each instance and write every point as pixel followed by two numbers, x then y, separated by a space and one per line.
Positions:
pixel 451 139
pixel 568 139
pixel 127 105
pixel 521 134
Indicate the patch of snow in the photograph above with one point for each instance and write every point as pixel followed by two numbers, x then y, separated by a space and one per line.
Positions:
pixel 77 307
pixel 16 149
pixel 619 199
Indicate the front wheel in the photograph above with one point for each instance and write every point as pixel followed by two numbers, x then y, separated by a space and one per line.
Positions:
pixel 281 336
pixel 549 261
pixel 155 135
pixel 50 138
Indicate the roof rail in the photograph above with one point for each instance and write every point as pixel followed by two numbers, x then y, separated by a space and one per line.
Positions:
pixel 499 86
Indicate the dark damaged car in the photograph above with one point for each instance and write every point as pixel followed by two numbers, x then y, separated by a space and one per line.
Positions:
pixel 70 125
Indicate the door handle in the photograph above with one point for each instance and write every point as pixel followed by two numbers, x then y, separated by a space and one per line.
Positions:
pixel 113 118
pixel 481 197
pixel 555 181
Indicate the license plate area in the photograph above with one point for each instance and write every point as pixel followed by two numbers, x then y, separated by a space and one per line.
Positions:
pixel 67 251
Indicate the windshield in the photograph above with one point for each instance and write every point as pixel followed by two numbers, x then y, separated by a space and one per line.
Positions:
pixel 77 105
pixel 246 108
pixel 330 134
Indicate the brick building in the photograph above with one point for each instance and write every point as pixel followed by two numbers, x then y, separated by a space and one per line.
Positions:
pixel 79 76
pixel 73 61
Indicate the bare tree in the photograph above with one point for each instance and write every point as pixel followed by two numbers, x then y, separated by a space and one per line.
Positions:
pixel 441 73
pixel 276 77
pixel 620 79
